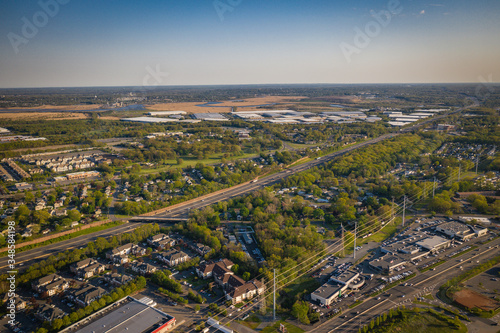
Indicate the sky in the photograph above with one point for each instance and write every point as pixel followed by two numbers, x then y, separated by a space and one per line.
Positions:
pixel 72 43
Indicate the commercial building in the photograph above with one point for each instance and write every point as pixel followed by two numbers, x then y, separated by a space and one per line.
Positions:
pixel 132 316
pixel 148 120
pixel 209 116
pixel 387 263
pixel 434 243
pixel 456 230
pixel 328 292
pixel 166 113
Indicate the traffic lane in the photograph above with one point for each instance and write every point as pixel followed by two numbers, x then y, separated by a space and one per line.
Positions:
pixel 441 275
pixel 29 257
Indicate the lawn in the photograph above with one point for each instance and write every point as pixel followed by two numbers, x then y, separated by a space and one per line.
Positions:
pixel 387 231
pixel 275 328
pixel 425 322
pixel 251 322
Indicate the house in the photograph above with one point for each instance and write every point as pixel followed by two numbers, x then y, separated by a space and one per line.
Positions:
pixel 143 268
pixel 49 313
pixel 87 268
pixel 173 257
pixel 246 291
pixel 120 251
pixel 161 241
pixel 19 302
pixel 205 270
pixel 86 295
pixel 201 249
pixel 117 279
pixel 50 285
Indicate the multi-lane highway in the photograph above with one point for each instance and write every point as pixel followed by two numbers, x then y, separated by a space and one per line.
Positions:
pixel 182 210
pixel 423 283
pixel 26 258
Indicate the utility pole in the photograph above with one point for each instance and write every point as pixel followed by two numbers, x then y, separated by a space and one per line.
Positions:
pixel 343 245
pixel 404 209
pixel 477 162
pixel 355 230
pixel 392 210
pixel 274 294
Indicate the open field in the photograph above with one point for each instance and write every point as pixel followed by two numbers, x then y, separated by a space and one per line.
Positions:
pixel 422 322
pixel 42 115
pixel 472 299
pixel 224 106
pixel 57 107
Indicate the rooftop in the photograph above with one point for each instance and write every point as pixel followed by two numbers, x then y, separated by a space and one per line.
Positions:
pixel 133 316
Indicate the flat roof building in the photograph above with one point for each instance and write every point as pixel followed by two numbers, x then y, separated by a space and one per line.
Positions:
pixel 456 230
pixel 387 263
pixel 328 292
pixel 434 243
pixel 132 316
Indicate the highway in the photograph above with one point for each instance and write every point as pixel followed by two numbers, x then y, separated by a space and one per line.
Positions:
pixel 423 283
pixel 182 210
pixel 26 258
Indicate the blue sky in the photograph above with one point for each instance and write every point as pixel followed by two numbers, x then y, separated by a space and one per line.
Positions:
pixel 125 42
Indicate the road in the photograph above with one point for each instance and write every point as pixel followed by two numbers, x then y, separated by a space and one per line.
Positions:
pixel 423 283
pixel 26 258
pixel 182 210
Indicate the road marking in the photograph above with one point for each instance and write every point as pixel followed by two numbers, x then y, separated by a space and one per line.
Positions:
pixel 359 314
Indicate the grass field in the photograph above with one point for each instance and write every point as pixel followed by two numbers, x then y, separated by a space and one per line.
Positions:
pixel 387 231
pixel 275 328
pixel 251 322
pixel 422 322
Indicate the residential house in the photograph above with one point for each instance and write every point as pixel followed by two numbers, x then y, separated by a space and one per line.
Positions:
pixel 118 279
pixel 19 302
pixel 173 257
pixel 50 285
pixel 49 313
pixel 143 268
pixel 206 269
pixel 86 295
pixel 246 291
pixel 87 268
pixel 201 249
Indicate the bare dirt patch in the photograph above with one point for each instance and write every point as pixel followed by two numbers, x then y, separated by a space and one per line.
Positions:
pixel 58 107
pixel 472 299
pixel 224 106
pixel 42 115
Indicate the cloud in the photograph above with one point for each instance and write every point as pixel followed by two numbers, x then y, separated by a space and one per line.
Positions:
pixel 422 12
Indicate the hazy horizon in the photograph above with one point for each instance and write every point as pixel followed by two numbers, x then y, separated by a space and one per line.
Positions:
pixel 63 43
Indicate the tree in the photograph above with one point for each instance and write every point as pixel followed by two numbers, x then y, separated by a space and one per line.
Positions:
pixel 300 310
pixel 74 215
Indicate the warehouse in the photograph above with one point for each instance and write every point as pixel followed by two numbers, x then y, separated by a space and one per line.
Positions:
pixel 434 243
pixel 133 316
pixel 456 230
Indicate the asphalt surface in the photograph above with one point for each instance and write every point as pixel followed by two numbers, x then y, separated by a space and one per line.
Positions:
pixel 423 283
pixel 26 258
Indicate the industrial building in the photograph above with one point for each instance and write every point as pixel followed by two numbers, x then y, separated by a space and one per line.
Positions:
pixel 166 113
pixel 434 243
pixel 133 316
pixel 336 286
pixel 209 116
pixel 387 263
pixel 148 120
